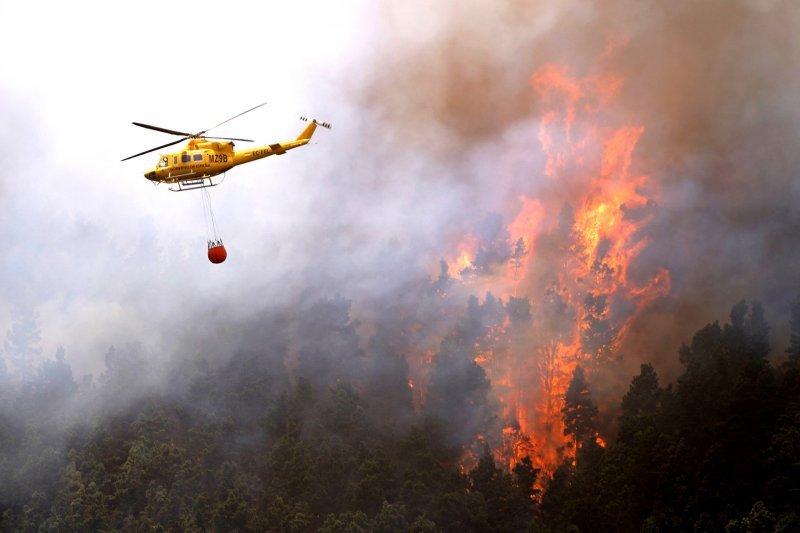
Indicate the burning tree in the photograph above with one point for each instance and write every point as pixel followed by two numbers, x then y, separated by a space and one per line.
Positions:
pixel 555 323
pixel 567 253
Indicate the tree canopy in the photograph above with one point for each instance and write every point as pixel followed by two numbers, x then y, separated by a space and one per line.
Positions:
pixel 336 444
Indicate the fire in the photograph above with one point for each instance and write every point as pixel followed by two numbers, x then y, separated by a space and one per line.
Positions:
pixel 570 250
pixel 468 247
pixel 530 215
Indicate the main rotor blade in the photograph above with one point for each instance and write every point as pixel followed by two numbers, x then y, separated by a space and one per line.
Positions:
pixel 165 130
pixel 156 148
pixel 229 139
pixel 237 116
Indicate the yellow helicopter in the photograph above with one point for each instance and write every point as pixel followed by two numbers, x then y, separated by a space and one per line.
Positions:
pixel 204 158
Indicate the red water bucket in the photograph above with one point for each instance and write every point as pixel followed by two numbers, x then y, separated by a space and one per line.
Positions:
pixel 217 254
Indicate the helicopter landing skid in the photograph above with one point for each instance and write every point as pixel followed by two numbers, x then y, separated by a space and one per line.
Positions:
pixel 196 183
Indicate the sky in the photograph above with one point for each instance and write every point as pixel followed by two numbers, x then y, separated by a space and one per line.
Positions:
pixel 97 251
pixel 435 127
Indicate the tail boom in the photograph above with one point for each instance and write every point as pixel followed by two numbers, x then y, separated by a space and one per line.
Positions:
pixel 260 152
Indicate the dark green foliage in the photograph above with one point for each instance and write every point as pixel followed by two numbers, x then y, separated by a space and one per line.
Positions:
pixel 597 332
pixel 347 522
pixel 507 496
pixel 579 412
pixel 390 519
pixel 760 520
pixel 783 457
pixel 458 397
pixel 253 445
pixel 332 445
pixel 718 453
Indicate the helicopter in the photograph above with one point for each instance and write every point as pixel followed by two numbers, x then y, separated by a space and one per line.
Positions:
pixel 205 158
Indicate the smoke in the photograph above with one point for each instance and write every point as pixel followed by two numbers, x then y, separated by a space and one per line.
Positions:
pixel 711 84
pixel 706 91
pixel 436 138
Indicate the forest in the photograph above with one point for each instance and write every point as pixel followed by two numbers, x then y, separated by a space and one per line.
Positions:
pixel 309 427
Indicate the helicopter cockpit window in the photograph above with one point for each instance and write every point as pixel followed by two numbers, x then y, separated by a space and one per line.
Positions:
pixel 164 162
pixel 185 158
pixel 197 157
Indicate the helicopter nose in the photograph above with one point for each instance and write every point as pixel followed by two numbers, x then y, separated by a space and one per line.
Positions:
pixel 150 175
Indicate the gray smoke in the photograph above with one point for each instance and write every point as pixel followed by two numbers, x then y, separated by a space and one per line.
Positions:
pixel 713 85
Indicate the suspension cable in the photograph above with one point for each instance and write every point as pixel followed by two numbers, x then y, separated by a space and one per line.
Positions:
pixel 212 232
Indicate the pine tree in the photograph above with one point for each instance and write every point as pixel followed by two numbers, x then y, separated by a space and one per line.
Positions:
pixel 597 332
pixel 757 331
pixel 554 323
pixel 579 411
pixel 640 405
pixel 524 475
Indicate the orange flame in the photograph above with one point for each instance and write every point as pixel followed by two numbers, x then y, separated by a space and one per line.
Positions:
pixel 579 239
